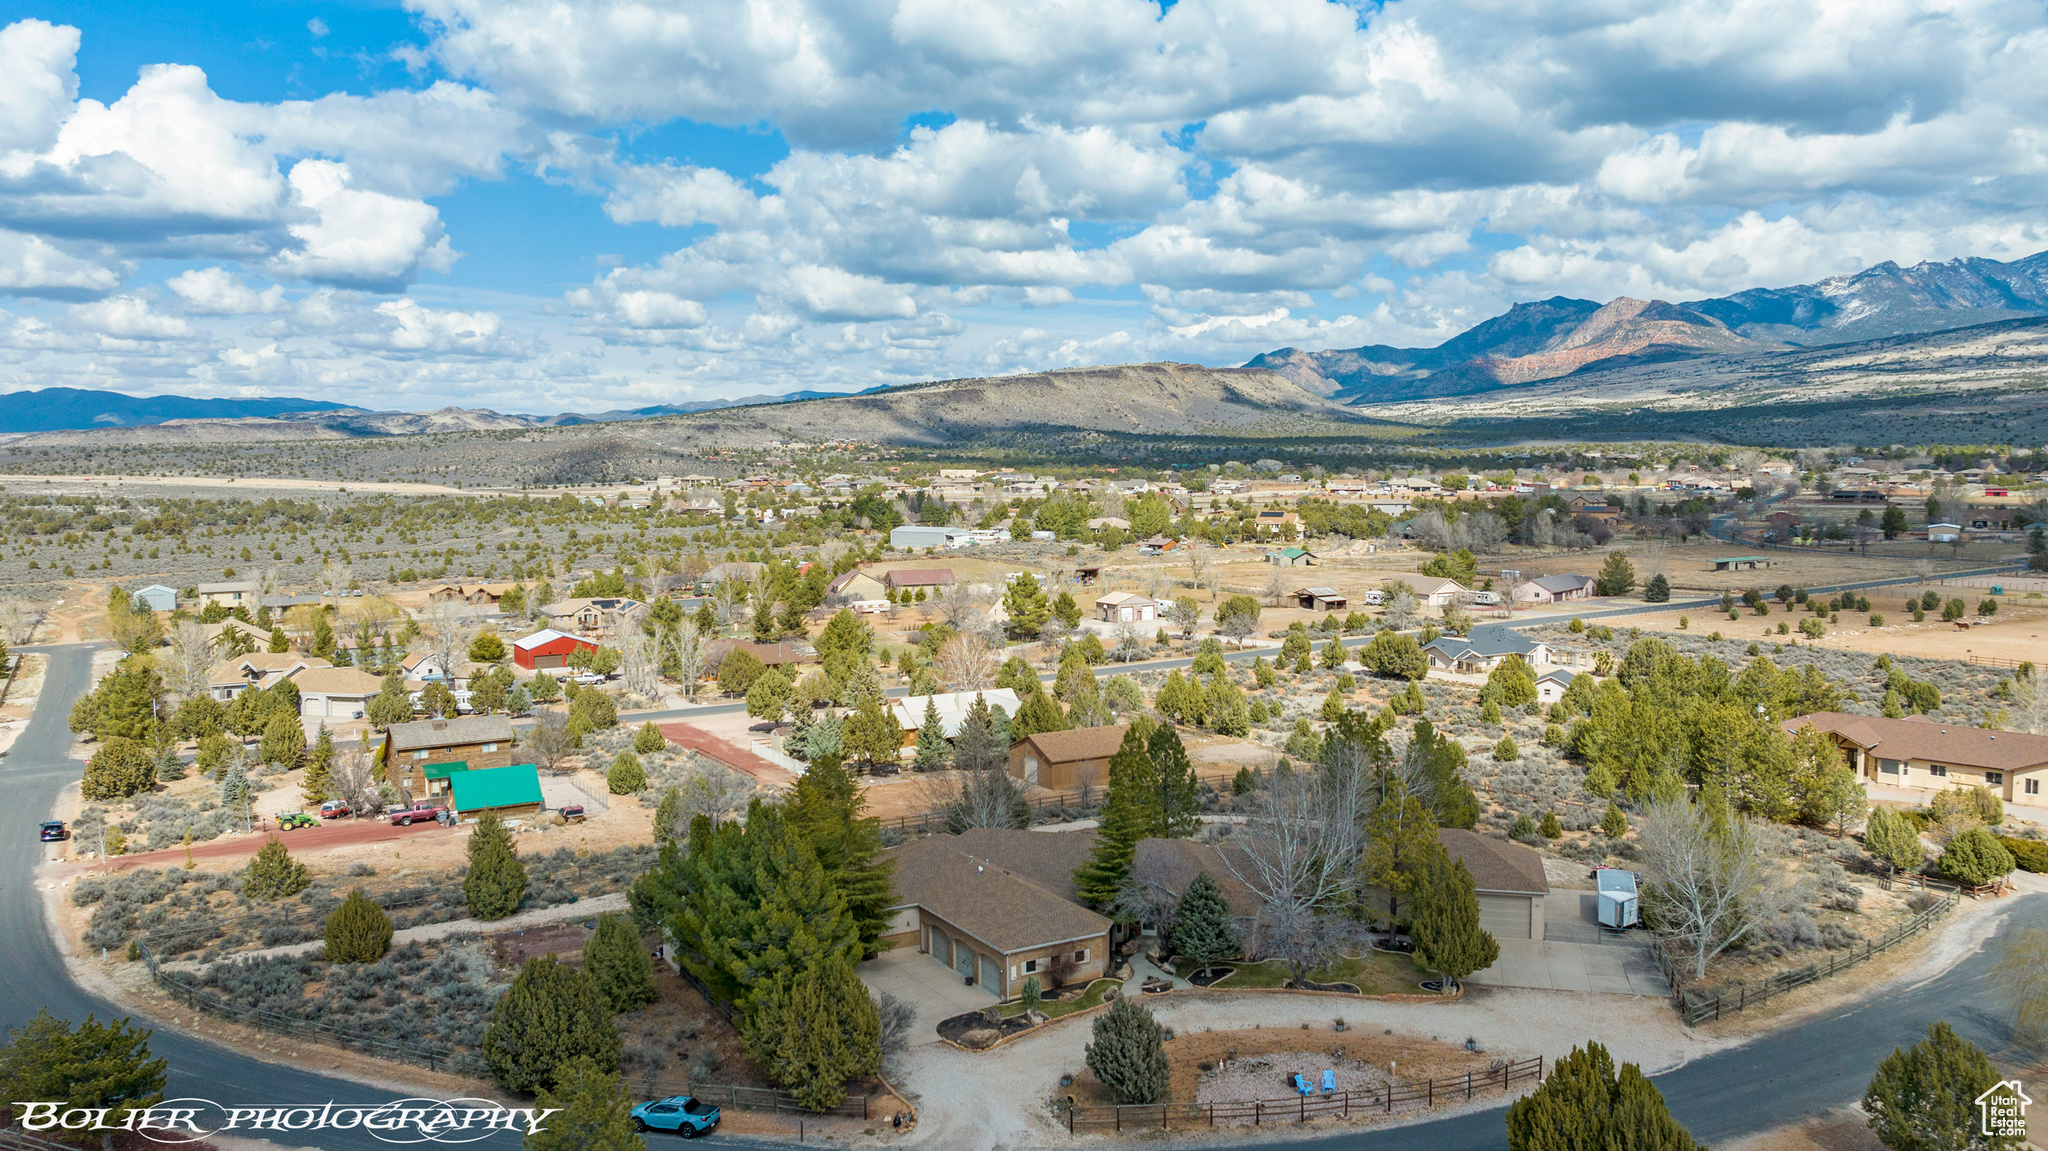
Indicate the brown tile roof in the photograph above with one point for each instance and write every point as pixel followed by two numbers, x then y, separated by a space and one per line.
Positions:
pixel 998 907
pixel 1047 858
pixel 449 732
pixel 1172 864
pixel 1925 739
pixel 1496 865
pixel 1079 744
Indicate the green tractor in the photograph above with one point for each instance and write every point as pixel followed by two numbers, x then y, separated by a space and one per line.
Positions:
pixel 291 819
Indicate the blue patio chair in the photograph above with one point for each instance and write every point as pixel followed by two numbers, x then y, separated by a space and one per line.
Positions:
pixel 1329 1081
pixel 1301 1084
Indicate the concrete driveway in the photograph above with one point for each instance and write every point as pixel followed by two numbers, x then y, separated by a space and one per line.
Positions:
pixel 1574 956
pixel 917 979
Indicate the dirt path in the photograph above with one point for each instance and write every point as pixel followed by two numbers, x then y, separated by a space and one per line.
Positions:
pixel 616 901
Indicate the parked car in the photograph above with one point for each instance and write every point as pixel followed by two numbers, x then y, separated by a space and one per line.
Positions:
pixel 421 811
pixel 573 813
pixel 588 678
pixel 288 820
pixel 54 830
pixel 678 1113
pixel 336 809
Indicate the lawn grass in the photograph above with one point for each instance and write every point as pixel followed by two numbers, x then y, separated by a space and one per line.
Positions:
pixel 1375 973
pixel 1053 1010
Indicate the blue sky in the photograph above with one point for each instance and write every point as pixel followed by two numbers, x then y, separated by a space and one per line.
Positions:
pixel 486 203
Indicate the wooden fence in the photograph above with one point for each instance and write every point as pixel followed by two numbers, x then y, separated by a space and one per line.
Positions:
pixel 13 1140
pixel 1698 1007
pixel 930 821
pixel 1301 1108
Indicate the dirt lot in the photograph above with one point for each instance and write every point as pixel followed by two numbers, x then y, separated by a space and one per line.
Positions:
pixel 2014 634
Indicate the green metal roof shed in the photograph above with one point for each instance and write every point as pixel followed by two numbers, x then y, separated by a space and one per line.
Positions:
pixel 497 788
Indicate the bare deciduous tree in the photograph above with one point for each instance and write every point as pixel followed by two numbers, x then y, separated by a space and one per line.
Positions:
pixel 639 662
pixel 18 620
pixel 2030 705
pixel 547 741
pixel 728 596
pixel 188 659
pixel 711 789
pixel 1299 851
pixel 967 663
pixel 1276 586
pixel 965 606
pixel 351 776
pixel 449 628
pixel 1709 888
pixel 1198 560
pixel 2022 979
pixel 335 579
pixel 1403 611
pixel 688 648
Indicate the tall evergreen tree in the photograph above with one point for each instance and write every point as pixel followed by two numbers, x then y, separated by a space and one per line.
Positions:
pixel 1038 713
pixel 358 931
pixel 1129 1053
pixel 497 879
pixel 932 750
pixel 392 703
pixel 274 874
pixel 551 1016
pixel 319 760
pixel 1130 812
pixel 619 964
pixel 1585 1105
pixel 1179 806
pixel 92 1066
pixel 828 809
pixel 1923 1097
pixel 831 1034
pixel 1401 837
pixel 592 1112
pixel 1444 921
pixel 1203 929
pixel 979 745
pixel 1893 840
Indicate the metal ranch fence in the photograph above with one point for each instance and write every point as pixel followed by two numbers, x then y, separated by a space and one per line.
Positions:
pixel 1302 1108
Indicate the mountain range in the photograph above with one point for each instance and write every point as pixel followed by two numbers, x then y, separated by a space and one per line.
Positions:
pixel 1561 336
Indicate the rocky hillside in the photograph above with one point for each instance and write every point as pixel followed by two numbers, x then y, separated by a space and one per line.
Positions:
pixel 1553 338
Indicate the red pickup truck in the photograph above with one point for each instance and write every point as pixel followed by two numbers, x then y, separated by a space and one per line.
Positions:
pixel 421 811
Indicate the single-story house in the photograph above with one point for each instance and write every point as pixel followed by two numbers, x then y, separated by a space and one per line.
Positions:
pixel 476 595
pixel 1292 558
pixel 993 925
pixel 1437 592
pixel 548 649
pixel 257 670
pixel 919 579
pixel 239 593
pixel 1047 858
pixel 1925 755
pixel 511 790
pixel 156 597
pixel 953 707
pixel 1483 650
pixel 335 692
pixel 1126 607
pixel 1320 598
pixel 1739 563
pixel 1554 589
pixel 1167 866
pixel 1595 506
pixel 1944 533
pixel 1273 520
pixel 597 617
pixel 477 740
pixel 1100 522
pixel 1509 880
pixel 1551 685
pixel 1065 759
pixel 781 653
pixel 425 667
pixel 855 586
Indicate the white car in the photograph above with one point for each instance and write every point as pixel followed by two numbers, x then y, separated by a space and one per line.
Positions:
pixel 588 678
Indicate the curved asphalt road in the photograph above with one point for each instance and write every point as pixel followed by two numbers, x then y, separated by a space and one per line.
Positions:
pixel 1778 1078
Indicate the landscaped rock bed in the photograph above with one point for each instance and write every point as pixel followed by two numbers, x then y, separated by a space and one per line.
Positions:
pixel 974 1031
pixel 1271 1077
pixel 1209 975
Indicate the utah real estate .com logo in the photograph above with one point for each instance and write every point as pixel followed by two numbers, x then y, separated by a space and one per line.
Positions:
pixel 2003 1107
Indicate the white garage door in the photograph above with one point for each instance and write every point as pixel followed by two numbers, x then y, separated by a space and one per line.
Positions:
pixel 1505 916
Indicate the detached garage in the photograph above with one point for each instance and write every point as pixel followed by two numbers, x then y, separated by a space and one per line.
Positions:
pixel 547 649
pixel 1509 880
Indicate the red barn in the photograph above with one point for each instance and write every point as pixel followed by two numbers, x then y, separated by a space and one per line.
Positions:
pixel 548 649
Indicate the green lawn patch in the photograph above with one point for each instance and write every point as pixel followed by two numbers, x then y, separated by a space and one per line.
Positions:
pixel 1053 1010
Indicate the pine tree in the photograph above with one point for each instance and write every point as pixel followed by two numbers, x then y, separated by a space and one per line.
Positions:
pixel 649 740
pixel 551 1016
pixel 828 809
pixel 319 759
pixel 592 1112
pixel 1550 828
pixel 392 703
pixel 831 1034
pixel 497 879
pixel 1613 823
pixel 932 751
pixel 1203 929
pixel 1444 921
pixel 667 816
pixel 1658 590
pixel 1037 714
pixel 978 747
pixel 1586 1105
pixel 1893 840
pixel 1129 1053
pixel 1130 811
pixel 273 874
pixel 1179 809
pixel 1923 1098
pixel 358 931
pixel 278 644
pixel 625 776
pixel 872 733
pixel 1509 684
pixel 284 740
pixel 1401 838
pixel 120 768
pixel 95 1065
pixel 1976 857
pixel 618 962
pixel 1617 576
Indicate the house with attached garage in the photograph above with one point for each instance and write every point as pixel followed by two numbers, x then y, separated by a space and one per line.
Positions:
pixel 257 671
pixel 997 908
pixel 475 741
pixel 952 707
pixel 1921 754
pixel 853 587
pixel 342 693
pixel 1126 607
pixel 1554 589
pixel 1430 592
pixel 239 593
pixel 1509 879
pixel 1483 650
